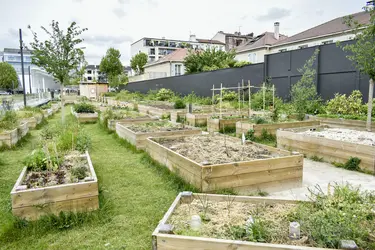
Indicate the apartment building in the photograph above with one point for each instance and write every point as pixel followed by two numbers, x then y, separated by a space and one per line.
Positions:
pixel 156 48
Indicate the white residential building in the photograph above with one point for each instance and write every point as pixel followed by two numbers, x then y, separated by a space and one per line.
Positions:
pixel 169 65
pixel 156 48
pixel 328 32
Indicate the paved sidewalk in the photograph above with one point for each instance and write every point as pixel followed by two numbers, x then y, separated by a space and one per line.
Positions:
pixel 320 173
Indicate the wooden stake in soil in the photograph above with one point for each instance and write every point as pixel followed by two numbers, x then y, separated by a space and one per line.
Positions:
pixel 249 99
pixel 213 99
pixel 273 96
pixel 221 98
pixel 264 96
pixel 239 99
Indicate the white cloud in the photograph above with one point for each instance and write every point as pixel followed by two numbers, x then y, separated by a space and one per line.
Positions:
pixel 117 23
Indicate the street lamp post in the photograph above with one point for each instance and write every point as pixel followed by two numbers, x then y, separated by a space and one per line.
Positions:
pixel 23 70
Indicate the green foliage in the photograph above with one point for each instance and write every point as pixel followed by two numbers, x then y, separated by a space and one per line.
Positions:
pixel 200 61
pixel 40 161
pixel 350 117
pixel 229 95
pixel 342 105
pixel 193 98
pixel 84 107
pixel 79 172
pixel 83 141
pixel 259 120
pixel 46 106
pixel 111 64
pixel 344 214
pixel 9 120
pixel 316 158
pixel 250 135
pixel 240 64
pixel 8 76
pixel 304 95
pixel 258 231
pixel 351 164
pixel 276 109
pixel 164 95
pixel 257 99
pixel 138 62
pixel 179 104
pixel 60 53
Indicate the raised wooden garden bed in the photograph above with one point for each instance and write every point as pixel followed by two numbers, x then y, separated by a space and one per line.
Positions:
pixel 85 117
pixel 129 121
pixel 32 203
pixel 245 126
pixel 47 112
pixel 32 122
pixel 217 124
pixel 330 150
pixel 197 119
pixel 154 111
pixel 11 137
pixel 341 123
pixel 163 238
pixel 138 139
pixel 208 171
pixel 178 115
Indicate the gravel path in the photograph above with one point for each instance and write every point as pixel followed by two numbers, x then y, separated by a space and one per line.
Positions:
pixel 341 134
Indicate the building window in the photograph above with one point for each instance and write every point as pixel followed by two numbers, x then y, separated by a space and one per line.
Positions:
pixel 327 42
pixel 303 46
pixel 89 78
pixel 282 50
pixel 252 57
pixel 89 71
pixel 152 51
pixel 177 69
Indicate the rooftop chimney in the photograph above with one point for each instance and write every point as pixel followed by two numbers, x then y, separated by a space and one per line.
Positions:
pixel 277 30
pixel 193 38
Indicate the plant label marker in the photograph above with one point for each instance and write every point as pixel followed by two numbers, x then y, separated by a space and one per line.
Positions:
pixel 348 244
pixel 243 138
pixel 294 231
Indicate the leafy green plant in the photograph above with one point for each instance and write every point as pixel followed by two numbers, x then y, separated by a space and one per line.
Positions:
pixel 79 172
pixel 344 214
pixel 240 64
pixel 316 158
pixel 258 231
pixel 351 164
pixel 84 107
pixel 342 105
pixel 9 120
pixel 39 161
pixel 164 95
pixel 229 95
pixel 179 104
pixel 46 106
pixel 259 120
pixel 83 141
pixel 250 135
pixel 304 95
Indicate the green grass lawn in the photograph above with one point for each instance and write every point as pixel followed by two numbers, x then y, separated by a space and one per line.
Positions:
pixel 134 195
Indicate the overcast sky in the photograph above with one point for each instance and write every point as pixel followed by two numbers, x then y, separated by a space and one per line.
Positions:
pixel 118 23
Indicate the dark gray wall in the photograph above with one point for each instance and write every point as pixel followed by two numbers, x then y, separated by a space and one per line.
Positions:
pixel 202 83
pixel 335 74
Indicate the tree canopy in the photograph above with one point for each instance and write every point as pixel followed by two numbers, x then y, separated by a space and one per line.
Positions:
pixel 8 76
pixel 200 61
pixel 362 52
pixel 58 54
pixel 111 64
pixel 138 62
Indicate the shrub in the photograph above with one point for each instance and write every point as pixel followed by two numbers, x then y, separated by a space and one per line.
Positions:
pixel 229 95
pixel 83 142
pixel 304 95
pixel 84 107
pixel 250 135
pixel 79 172
pixel 179 104
pixel 240 64
pixel 9 120
pixel 46 106
pixel 343 105
pixel 164 95
pixel 259 120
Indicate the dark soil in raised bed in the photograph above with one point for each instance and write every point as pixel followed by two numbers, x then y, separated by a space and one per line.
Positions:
pixel 216 149
pixel 62 175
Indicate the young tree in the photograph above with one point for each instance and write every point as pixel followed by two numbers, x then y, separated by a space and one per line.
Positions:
pixel 58 54
pixel 8 76
pixel 112 66
pixel 304 95
pixel 208 60
pixel 362 52
pixel 138 62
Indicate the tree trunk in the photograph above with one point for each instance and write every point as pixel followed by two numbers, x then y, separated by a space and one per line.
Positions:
pixel 369 104
pixel 62 103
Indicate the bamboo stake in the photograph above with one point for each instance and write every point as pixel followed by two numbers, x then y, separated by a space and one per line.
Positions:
pixel 243 95
pixel 264 96
pixel 239 99
pixel 249 99
pixel 221 98
pixel 213 99
pixel 273 96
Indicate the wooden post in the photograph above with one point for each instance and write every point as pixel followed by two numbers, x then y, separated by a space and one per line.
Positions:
pixel 243 95
pixel 239 99
pixel 221 98
pixel 264 96
pixel 249 98
pixel 273 96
